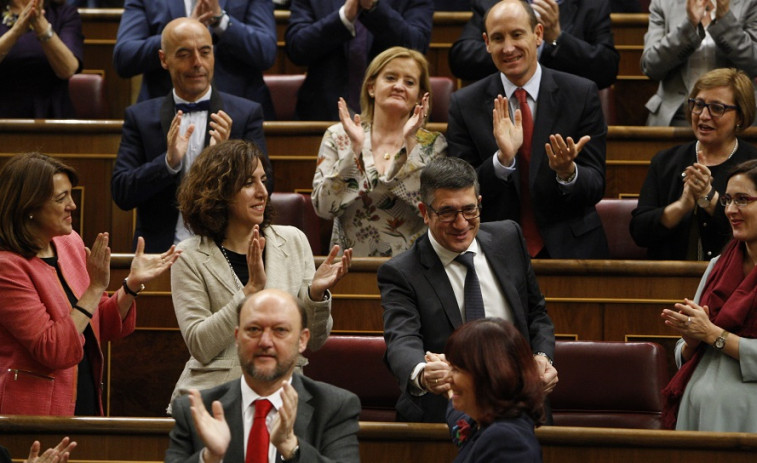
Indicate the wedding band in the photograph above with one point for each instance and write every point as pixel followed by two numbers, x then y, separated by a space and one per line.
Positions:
pixel 688 322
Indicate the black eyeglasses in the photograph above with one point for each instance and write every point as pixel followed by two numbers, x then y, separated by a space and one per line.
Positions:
pixel 739 199
pixel 447 214
pixel 716 109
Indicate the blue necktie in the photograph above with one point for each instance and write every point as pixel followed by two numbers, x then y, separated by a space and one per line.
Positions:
pixel 187 108
pixel 474 302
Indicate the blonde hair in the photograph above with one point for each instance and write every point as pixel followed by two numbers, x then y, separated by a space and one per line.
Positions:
pixel 367 102
pixel 743 92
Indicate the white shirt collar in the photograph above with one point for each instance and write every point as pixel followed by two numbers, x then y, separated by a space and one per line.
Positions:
pixel 178 99
pixel 447 256
pixel 249 396
pixel 531 87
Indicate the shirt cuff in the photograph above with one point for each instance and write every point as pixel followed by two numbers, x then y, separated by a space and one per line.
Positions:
pixel 222 25
pixel 171 169
pixel 415 381
pixel 349 25
pixel 501 171
pixel 569 183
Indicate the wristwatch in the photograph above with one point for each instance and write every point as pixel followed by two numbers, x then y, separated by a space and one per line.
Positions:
pixel 295 455
pixel 719 343
pixel 216 20
pixel 705 200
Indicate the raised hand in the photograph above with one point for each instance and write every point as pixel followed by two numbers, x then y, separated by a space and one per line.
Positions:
pixel 176 142
pixel 415 122
pixel 59 454
pixel 98 263
pixel 561 153
pixel 220 125
pixel 330 272
pixel 509 135
pixel 282 429
pixel 548 12
pixel 146 267
pixel 352 127
pixel 255 265
pixel 213 430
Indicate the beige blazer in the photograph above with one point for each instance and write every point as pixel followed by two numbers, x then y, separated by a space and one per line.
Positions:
pixel 206 293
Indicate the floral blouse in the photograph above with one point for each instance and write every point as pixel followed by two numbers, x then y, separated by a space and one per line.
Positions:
pixel 375 215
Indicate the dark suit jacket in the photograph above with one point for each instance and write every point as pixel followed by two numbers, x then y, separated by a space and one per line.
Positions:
pixel 568 105
pixel 585 47
pixel 318 39
pixel 510 440
pixel 242 52
pixel 140 176
pixel 420 310
pixel 326 424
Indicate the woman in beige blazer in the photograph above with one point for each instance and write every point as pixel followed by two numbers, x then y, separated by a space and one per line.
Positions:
pixel 236 252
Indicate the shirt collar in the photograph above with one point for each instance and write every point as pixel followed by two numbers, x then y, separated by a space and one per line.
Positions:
pixel 447 256
pixel 249 396
pixel 178 99
pixel 531 87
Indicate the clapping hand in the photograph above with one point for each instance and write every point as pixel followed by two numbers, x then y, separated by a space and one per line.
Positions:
pixel 352 127
pixel 415 122
pixel 59 454
pixel 220 127
pixel 176 142
pixel 561 153
pixel 146 267
pixel 330 272
pixel 213 430
pixel 508 134
pixel 255 264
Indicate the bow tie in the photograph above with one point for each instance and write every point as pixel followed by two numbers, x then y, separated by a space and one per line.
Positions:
pixel 193 107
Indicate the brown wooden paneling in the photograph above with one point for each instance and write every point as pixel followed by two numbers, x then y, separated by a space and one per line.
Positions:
pixel 145 440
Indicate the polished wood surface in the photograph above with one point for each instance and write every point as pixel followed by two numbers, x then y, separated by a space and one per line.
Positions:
pixel 145 440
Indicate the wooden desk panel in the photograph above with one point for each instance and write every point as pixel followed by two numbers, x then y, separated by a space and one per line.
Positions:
pixel 145 440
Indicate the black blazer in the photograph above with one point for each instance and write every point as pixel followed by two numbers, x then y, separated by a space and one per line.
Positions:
pixel 568 105
pixel 421 312
pixel 326 424
pixel 140 177
pixel 585 48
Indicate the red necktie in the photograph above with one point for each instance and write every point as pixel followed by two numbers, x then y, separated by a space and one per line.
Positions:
pixel 258 441
pixel 534 241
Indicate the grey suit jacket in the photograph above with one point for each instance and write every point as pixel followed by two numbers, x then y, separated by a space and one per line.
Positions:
pixel 671 39
pixel 421 312
pixel 206 293
pixel 326 424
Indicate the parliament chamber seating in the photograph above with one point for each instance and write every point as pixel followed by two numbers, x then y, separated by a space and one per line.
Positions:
pixel 87 93
pixel 609 384
pixel 441 91
pixel 284 88
pixel 356 363
pixel 616 219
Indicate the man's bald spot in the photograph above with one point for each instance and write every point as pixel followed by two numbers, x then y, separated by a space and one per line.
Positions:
pixel 173 28
pixel 283 298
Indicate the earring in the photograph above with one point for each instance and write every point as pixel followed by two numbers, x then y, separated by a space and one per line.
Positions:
pixel 31 217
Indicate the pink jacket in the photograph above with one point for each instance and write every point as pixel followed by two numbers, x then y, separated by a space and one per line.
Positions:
pixel 39 345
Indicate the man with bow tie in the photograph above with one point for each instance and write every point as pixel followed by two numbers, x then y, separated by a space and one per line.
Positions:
pixel 162 136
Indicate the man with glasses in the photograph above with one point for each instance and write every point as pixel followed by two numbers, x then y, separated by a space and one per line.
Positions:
pixel 459 271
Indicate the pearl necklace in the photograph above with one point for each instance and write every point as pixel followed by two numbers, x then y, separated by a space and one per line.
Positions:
pixel 735 147
pixel 233 273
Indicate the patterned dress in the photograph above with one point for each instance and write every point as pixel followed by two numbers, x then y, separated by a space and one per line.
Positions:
pixel 376 215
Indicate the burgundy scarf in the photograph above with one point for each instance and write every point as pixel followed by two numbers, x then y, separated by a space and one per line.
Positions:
pixel 732 299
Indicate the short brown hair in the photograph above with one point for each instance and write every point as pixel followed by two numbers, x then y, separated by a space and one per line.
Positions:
pixel 739 83
pixel 217 174
pixel 367 102
pixel 26 183
pixel 505 379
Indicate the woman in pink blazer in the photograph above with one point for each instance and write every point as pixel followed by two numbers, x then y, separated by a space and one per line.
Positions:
pixel 54 311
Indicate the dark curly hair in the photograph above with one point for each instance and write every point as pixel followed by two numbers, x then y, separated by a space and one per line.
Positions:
pixel 218 173
pixel 505 379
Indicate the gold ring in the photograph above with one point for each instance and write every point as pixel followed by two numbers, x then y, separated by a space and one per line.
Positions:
pixel 688 322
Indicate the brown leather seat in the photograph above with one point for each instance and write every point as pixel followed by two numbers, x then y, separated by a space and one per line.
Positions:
pixel 616 220
pixel 356 363
pixel 441 92
pixel 607 100
pixel 87 93
pixel 295 209
pixel 609 384
pixel 284 88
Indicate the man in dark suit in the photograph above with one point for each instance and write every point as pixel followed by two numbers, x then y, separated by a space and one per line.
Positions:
pixel 423 289
pixel 160 140
pixel 309 421
pixel 577 40
pixel 552 192
pixel 337 39
pixel 244 35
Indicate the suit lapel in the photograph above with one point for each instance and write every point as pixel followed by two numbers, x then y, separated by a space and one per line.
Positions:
pixel 167 112
pixel 217 265
pixel 546 111
pixel 497 257
pixel 305 411
pixel 437 278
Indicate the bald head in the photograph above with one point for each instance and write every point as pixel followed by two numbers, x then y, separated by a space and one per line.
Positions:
pixel 187 54
pixel 274 297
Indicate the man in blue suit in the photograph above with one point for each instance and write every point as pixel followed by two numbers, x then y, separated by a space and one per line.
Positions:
pixel 552 188
pixel 244 35
pixel 337 39
pixel 162 136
